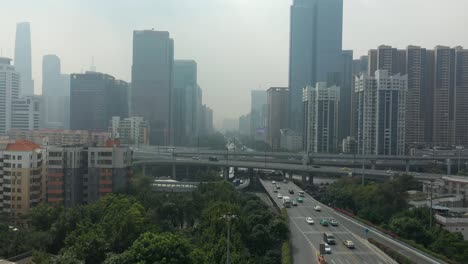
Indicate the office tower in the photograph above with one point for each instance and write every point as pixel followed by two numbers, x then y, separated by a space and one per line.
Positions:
pixel 321 112
pixel 95 98
pixel 444 89
pixel 381 103
pixel 23 178
pixel 461 96
pixel 131 130
pixel 23 57
pixel 9 87
pixel 55 94
pixel 187 103
pixel 277 103
pixel 152 77
pixel 315 50
pixel 244 125
pixel 258 114
pixel 346 96
pixel 25 113
pixel 206 120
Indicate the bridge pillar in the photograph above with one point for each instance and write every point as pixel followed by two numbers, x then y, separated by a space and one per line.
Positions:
pixel 226 173
pixel 304 179
pixel 408 165
pixel 290 175
pixel 373 164
pixel 235 171
pixel 251 173
pixel 311 178
pixel 174 176
pixel 449 166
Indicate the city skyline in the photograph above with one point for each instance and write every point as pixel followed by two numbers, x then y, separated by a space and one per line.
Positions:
pixel 245 18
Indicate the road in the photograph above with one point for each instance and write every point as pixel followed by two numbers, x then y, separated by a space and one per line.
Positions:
pixel 306 238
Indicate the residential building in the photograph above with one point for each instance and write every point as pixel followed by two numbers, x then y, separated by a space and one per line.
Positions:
pixel 258 114
pixel 346 96
pixel 359 67
pixel 22 177
pixel 349 145
pixel 321 110
pixel 381 102
pixel 461 97
pixel 152 82
pixel 46 137
pixel 55 94
pixel 25 113
pixel 315 52
pixel 95 98
pixel 9 89
pixel 187 102
pixel 277 103
pixel 130 130
pixel 290 140
pixel 23 57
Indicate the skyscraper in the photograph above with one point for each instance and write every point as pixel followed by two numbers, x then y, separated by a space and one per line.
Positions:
pixel 315 50
pixel 381 103
pixel 461 96
pixel 95 99
pixel 23 57
pixel 55 94
pixel 321 118
pixel 152 81
pixel 346 96
pixel 258 115
pixel 9 87
pixel 187 106
pixel 277 104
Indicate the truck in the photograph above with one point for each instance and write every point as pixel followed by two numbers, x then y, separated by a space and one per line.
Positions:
pixel 287 201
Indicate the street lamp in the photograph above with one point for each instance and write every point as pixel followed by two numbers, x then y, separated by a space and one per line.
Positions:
pixel 228 218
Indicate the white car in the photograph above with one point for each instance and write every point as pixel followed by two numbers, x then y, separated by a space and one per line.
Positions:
pixel 318 208
pixel 309 220
pixel 280 196
pixel 327 249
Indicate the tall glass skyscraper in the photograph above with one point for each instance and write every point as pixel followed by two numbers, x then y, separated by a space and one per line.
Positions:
pixel 315 50
pixel 23 57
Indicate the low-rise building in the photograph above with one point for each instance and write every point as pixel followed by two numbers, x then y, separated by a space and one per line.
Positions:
pixel 448 185
pixel 454 223
pixel 60 137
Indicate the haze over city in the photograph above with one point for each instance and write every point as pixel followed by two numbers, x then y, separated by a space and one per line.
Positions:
pixel 239 45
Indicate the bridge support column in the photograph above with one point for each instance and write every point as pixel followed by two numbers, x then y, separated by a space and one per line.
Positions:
pixel 408 165
pixel 373 164
pixel 290 175
pixel 311 179
pixel 226 173
pixel 174 176
pixel 235 171
pixel 251 173
pixel 304 179
pixel 449 166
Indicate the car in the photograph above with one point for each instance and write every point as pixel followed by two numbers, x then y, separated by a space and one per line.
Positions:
pixel 348 243
pixel 273 182
pixel 425 156
pixel 278 187
pixel 316 166
pixel 346 169
pixel 241 181
pixel 318 208
pixel 196 158
pixel 299 200
pixel 285 181
pixel 279 196
pixel 333 222
pixel 213 159
pixel 294 203
pixel 327 249
pixel 309 220
pixel 291 191
pixel 301 193
pixel 324 222
pixel 274 190
pixel 390 171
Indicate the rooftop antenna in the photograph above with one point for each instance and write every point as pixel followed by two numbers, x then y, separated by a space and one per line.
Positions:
pixel 93 67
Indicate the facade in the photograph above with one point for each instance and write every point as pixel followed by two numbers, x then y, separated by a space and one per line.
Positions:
pixel 244 125
pixel 187 102
pixel 22 177
pixel 47 137
pixel 290 140
pixel 315 50
pixel 23 57
pixel 206 121
pixel 9 88
pixel 25 113
pixel 55 94
pixel 258 114
pixel 346 96
pixel 131 130
pixel 152 82
pixel 78 174
pixel 321 110
pixel 277 103
pixel 381 102
pixel 95 98
pixel 461 97
pixel 349 145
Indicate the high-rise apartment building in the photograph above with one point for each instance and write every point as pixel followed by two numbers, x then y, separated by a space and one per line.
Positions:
pixel 321 112
pixel 346 96
pixel 95 98
pixel 316 28
pixel 9 88
pixel 22 177
pixel 23 57
pixel 187 102
pixel 360 66
pixel 258 114
pixel 277 103
pixel 461 96
pixel 152 82
pixel 381 104
pixel 25 113
pixel 132 130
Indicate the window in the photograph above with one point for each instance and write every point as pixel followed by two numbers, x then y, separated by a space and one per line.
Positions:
pixel 19 166
pixel 20 157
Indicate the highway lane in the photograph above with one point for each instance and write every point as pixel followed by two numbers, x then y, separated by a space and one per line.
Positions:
pixel 306 238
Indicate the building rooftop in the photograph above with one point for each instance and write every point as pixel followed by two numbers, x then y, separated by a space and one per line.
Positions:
pixel 22 145
pixel 459 179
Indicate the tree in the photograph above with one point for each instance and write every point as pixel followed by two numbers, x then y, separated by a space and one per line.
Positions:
pixel 410 228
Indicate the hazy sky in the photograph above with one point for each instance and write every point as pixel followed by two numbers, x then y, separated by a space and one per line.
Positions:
pixel 239 45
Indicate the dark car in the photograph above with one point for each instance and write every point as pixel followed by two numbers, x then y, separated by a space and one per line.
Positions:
pixel 213 159
pixel 291 191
